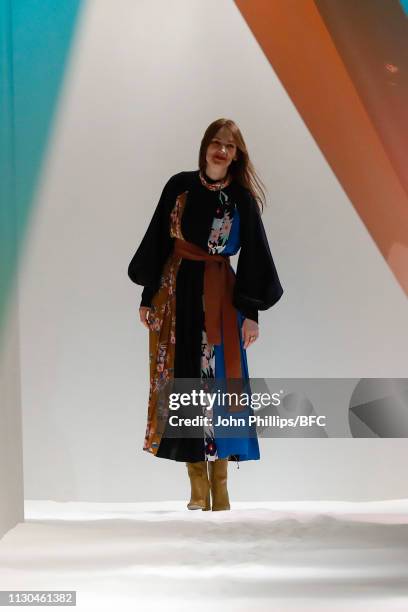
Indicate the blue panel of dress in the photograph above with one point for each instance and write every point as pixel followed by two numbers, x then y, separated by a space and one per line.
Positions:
pixel 225 238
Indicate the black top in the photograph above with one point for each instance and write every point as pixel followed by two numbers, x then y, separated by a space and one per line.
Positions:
pixel 257 285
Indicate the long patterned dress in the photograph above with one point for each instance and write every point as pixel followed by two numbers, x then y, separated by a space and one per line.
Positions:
pixel 212 220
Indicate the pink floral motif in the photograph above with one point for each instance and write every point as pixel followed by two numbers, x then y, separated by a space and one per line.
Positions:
pixel 208 371
pixel 221 228
pixel 226 227
pixel 207 357
pixel 175 216
pixel 215 234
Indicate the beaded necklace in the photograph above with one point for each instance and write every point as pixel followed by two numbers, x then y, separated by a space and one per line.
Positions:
pixel 215 186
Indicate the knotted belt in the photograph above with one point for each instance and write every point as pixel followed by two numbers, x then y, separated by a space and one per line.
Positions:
pixel 219 280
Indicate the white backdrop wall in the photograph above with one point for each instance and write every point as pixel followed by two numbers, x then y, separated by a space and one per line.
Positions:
pixel 144 81
pixel 11 444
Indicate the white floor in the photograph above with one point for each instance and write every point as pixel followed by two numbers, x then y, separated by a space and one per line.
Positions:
pixel 257 557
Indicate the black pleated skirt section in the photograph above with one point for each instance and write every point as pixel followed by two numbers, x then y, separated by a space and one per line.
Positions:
pixel 187 361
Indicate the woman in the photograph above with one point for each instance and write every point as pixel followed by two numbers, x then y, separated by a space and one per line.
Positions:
pixel 202 316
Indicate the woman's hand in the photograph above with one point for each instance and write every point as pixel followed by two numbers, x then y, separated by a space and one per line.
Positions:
pixel 250 332
pixel 144 314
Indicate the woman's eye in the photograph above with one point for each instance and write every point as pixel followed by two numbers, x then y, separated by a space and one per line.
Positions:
pixel 218 142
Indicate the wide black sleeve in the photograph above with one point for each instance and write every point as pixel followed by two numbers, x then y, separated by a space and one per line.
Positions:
pixel 146 265
pixel 257 285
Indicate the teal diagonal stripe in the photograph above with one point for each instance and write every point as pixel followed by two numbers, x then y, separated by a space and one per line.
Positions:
pixel 404 4
pixel 35 38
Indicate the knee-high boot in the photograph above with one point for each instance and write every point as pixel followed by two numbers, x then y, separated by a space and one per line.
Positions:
pixel 200 486
pixel 218 471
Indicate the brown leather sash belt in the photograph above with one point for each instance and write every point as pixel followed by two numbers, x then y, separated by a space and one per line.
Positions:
pixel 219 280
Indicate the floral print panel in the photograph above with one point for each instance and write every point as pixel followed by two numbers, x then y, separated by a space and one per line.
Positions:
pixel 221 225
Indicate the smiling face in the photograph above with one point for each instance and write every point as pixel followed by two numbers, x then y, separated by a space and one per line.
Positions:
pixel 220 152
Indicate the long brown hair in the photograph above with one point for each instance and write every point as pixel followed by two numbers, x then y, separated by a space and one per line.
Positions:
pixel 241 169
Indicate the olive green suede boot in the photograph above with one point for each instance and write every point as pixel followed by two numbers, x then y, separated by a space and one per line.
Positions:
pixel 218 471
pixel 200 486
